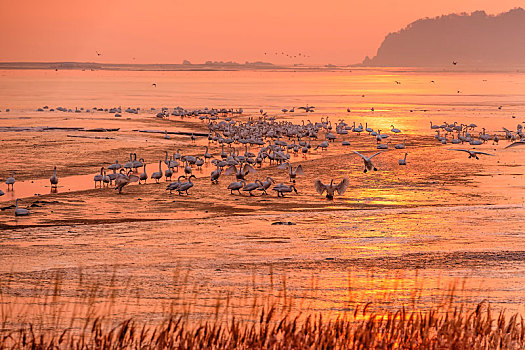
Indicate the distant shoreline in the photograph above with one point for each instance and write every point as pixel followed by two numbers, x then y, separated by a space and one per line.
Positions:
pixel 256 66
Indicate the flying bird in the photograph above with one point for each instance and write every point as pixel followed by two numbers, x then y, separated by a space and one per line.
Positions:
pixel 331 188
pixel 517 143
pixel 368 161
pixel 471 153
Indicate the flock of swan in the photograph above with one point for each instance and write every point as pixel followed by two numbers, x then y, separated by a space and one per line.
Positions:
pixel 276 141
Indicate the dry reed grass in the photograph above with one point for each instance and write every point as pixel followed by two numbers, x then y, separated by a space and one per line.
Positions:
pixel 93 320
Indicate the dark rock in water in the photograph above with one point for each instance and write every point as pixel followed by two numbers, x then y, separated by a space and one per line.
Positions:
pixel 283 223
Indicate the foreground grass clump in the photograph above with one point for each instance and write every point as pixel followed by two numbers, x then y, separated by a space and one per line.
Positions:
pixel 57 321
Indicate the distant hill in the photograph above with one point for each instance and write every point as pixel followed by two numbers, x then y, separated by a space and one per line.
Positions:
pixel 475 40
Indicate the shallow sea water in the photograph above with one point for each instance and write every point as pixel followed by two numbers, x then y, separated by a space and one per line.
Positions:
pixel 442 219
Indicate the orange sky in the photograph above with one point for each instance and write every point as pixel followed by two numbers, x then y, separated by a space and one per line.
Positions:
pixel 168 31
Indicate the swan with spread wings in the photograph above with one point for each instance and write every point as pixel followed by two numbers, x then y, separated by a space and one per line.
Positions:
pixel 330 189
pixel 240 173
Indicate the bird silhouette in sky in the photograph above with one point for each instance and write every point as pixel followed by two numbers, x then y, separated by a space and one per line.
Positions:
pixel 98 53
pixel 154 84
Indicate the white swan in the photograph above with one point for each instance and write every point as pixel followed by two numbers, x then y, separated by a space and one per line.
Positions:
pixel 264 185
pixel 400 145
pixel 331 189
pixel 214 176
pixel 383 145
pixel 54 179
pixel 517 143
pixel 144 175
pixel 249 187
pixel 368 161
pixel 175 184
pixel 115 166
pixel 185 186
pixel 99 177
pixel 124 179
pixel 291 172
pixel 404 160
pixel 10 181
pixel 281 189
pixel 471 153
pixel 236 186
pixel 323 145
pixel 106 179
pixel 20 211
pixel 158 174
pixel 394 130
pixel 241 172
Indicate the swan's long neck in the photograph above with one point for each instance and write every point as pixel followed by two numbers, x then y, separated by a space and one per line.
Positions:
pixel 55 171
pixel 160 165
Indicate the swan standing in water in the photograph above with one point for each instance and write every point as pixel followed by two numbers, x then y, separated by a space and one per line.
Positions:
pixel 400 145
pixel 331 189
pixel 368 161
pixel 175 184
pixel 185 186
pixel 10 181
pixel 471 153
pixel 236 186
pixel 144 175
pixel 115 166
pixel 266 184
pixel 20 211
pixel 99 177
pixel 281 189
pixel 291 172
pixel 404 160
pixel 106 179
pixel 54 179
pixel 124 179
pixel 158 174
pixel 215 175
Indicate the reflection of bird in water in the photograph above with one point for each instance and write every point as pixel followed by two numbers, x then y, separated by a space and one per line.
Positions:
pixel 368 161
pixel 20 211
pixel 331 189
pixel 471 153
pixel 54 179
